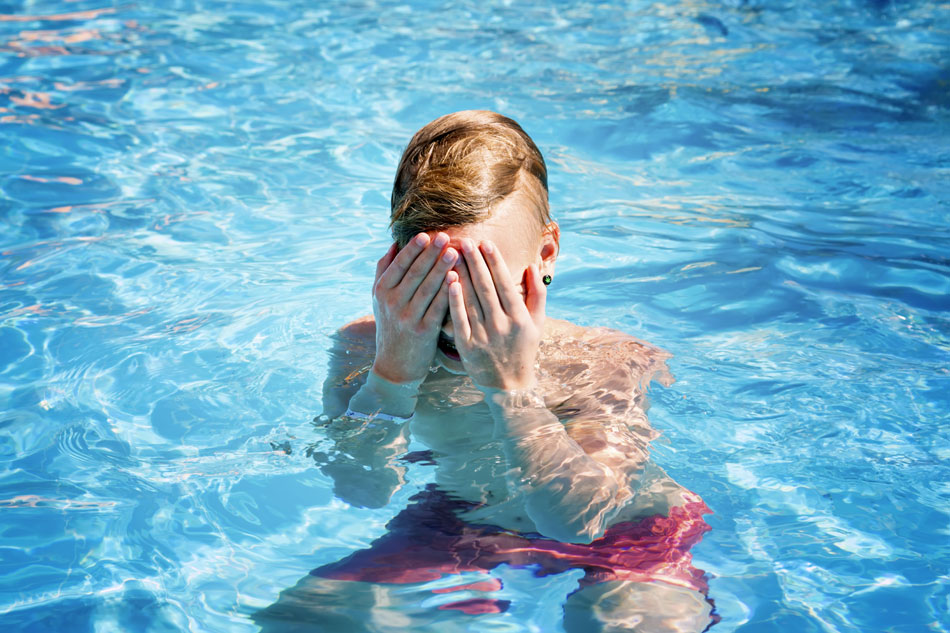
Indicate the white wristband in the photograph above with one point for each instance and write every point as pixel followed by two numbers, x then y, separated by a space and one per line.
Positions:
pixel 384 400
pixel 356 415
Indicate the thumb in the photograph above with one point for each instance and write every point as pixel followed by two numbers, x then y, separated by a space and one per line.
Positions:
pixel 536 295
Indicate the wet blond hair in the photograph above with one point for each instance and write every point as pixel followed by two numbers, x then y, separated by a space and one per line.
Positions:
pixel 457 167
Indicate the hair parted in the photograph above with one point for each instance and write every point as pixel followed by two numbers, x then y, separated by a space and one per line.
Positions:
pixel 459 165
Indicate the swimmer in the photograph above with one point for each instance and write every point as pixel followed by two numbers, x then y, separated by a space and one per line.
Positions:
pixel 536 428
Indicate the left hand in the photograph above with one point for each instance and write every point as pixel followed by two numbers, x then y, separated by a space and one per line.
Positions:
pixel 497 332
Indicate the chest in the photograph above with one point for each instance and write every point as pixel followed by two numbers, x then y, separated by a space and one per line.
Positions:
pixel 452 417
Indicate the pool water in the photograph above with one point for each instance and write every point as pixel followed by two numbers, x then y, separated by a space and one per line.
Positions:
pixel 193 195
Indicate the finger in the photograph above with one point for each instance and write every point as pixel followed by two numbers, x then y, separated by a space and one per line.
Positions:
pixel 463 329
pixel 435 313
pixel 421 268
pixel 537 294
pixel 385 261
pixel 433 284
pixel 481 277
pixel 508 295
pixel 468 290
pixel 401 263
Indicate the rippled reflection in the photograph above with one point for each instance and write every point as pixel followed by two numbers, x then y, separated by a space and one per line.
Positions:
pixel 192 197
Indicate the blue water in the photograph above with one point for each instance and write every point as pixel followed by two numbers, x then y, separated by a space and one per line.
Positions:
pixel 193 195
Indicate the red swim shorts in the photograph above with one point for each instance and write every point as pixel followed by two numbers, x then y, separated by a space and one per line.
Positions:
pixel 427 541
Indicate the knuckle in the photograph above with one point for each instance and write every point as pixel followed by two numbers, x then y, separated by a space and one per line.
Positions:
pixel 395 271
pixel 429 287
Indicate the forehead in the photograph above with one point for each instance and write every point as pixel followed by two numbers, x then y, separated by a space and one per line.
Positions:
pixel 512 226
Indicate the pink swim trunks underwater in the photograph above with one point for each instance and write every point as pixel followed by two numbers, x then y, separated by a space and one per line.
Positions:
pixel 427 541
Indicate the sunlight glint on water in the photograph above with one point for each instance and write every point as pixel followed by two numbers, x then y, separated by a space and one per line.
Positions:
pixel 193 196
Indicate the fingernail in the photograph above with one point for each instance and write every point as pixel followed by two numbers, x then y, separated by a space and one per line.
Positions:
pixel 449 256
pixel 467 245
pixel 488 248
pixel 441 240
pixel 422 239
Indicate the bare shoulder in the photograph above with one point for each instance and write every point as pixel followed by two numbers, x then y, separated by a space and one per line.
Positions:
pixel 598 379
pixel 361 330
pixel 354 347
pixel 352 353
pixel 606 352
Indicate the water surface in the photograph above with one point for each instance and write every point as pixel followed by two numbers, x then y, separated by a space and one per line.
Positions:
pixel 193 195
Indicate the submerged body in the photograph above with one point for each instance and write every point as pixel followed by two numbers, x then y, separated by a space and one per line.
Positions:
pixel 637 574
pixel 593 379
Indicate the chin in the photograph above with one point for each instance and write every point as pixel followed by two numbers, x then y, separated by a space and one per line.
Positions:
pixel 451 365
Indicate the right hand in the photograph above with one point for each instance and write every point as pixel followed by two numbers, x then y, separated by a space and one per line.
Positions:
pixel 410 300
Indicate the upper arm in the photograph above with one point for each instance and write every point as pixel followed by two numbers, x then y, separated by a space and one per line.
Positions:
pixel 351 356
pixel 606 414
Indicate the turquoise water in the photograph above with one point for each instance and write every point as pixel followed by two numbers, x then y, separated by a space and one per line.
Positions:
pixel 193 195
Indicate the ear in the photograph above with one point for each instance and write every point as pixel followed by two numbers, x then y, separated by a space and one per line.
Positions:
pixel 549 248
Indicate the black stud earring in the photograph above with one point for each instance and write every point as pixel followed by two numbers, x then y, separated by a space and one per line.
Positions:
pixel 546 280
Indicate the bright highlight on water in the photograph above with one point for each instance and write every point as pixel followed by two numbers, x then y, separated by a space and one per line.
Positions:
pixel 193 197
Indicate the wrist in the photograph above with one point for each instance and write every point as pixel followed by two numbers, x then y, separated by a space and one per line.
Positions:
pixel 379 395
pixel 518 412
pixel 524 382
pixel 393 373
pixel 528 398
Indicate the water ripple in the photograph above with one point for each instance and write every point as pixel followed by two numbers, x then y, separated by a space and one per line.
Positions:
pixel 193 196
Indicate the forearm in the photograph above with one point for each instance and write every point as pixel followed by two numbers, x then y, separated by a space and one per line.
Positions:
pixel 364 459
pixel 568 495
pixel 368 440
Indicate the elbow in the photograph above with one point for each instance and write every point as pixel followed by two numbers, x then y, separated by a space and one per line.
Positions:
pixel 575 515
pixel 582 535
pixel 361 487
pixel 568 525
pixel 568 531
